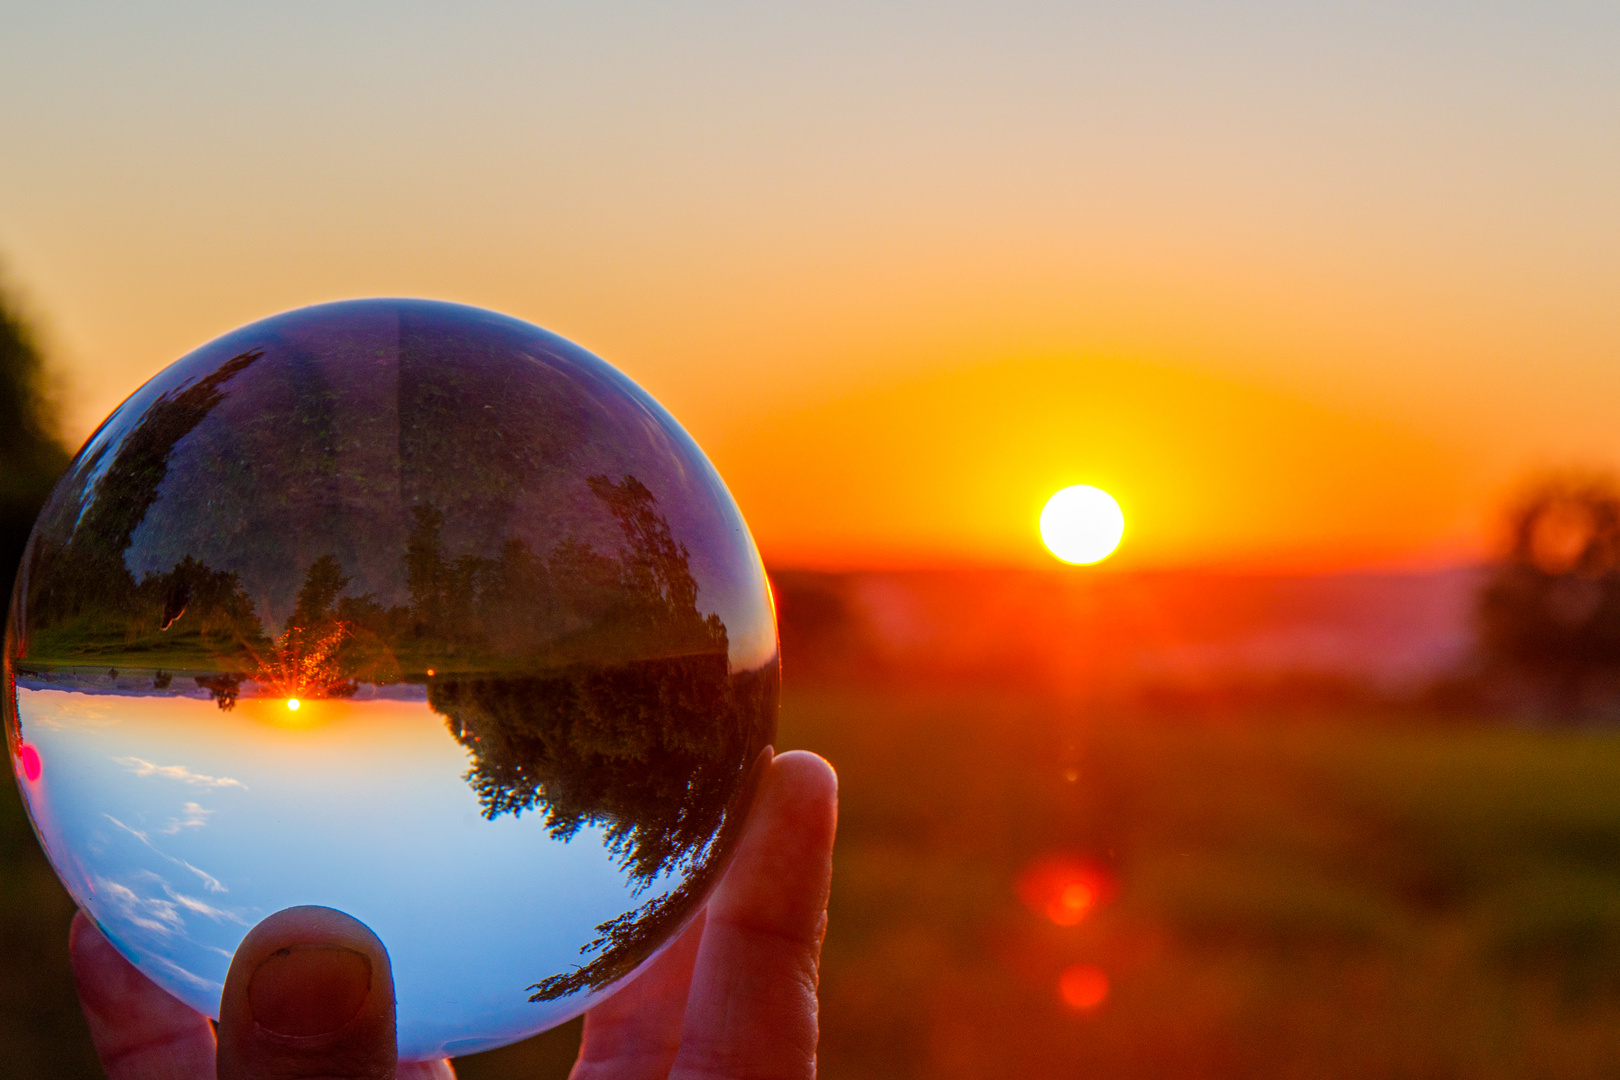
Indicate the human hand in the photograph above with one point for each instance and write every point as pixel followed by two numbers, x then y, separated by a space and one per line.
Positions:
pixel 310 991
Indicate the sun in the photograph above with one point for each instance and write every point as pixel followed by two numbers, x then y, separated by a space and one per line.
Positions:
pixel 1082 524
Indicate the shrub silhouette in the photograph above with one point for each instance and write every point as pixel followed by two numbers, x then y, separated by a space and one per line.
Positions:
pixel 1549 612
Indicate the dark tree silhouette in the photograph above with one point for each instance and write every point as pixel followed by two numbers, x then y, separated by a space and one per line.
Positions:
pixel 212 602
pixel 629 939
pixel 31 452
pixel 656 752
pixel 1549 612
pixel 651 737
pixel 322 583
pixel 650 746
pixel 425 571
pixel 89 574
pixel 83 601
pixel 519 609
pixel 651 749
pixel 655 576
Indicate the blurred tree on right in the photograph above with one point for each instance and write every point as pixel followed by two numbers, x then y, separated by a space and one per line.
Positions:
pixel 1548 615
pixel 31 452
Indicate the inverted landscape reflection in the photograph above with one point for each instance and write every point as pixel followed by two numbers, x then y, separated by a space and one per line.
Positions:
pixel 410 610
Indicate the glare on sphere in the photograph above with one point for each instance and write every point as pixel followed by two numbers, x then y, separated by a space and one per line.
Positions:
pixel 407 609
pixel 1082 524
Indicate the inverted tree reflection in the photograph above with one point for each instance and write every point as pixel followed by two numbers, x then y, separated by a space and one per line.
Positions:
pixel 657 751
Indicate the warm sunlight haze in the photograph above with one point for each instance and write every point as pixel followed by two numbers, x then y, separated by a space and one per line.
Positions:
pixel 893 257
pixel 1082 524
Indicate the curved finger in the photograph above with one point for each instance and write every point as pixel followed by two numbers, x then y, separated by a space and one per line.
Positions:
pixel 634 1034
pixel 310 993
pixel 751 1011
pixel 140 1032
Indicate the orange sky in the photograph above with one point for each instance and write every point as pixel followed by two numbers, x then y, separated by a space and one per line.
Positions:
pixel 1302 289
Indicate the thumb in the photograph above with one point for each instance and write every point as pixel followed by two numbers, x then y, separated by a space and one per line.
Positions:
pixel 310 994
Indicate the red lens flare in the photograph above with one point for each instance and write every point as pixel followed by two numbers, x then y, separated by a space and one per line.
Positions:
pixel 1083 987
pixel 1063 888
pixel 30 762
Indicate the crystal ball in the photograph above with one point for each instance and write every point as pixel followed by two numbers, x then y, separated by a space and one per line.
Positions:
pixel 407 609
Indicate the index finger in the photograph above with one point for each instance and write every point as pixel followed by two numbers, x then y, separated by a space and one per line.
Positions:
pixel 139 1030
pixel 751 1011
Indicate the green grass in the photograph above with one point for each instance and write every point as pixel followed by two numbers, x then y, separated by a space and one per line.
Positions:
pixel 1298 898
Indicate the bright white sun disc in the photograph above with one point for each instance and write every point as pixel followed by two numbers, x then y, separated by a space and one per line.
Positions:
pixel 1082 524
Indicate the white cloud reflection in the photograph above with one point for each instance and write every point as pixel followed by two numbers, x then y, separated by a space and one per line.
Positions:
pixel 134 900
pixel 210 882
pixel 192 816
pixel 142 767
pixel 159 916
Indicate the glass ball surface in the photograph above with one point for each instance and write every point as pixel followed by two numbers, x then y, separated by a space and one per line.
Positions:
pixel 407 609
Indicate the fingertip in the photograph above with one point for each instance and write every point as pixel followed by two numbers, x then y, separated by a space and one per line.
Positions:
pixel 308 988
pixel 808 773
pixel 780 875
pixel 800 799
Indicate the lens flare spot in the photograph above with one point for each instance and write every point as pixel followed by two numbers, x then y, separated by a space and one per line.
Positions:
pixel 1064 889
pixel 1082 524
pixel 1071 905
pixel 1083 987
pixel 31 766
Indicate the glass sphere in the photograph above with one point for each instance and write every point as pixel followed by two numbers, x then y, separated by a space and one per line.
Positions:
pixel 407 609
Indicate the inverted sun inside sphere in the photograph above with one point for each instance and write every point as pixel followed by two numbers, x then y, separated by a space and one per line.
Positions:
pixel 1082 524
pixel 522 627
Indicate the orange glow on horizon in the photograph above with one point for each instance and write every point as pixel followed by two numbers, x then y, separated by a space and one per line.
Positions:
pixel 295 713
pixel 949 468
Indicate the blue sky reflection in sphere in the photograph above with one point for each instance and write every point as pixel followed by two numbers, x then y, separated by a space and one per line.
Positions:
pixel 527 632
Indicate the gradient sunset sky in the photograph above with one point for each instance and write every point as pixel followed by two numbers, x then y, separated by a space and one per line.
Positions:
pixel 1305 286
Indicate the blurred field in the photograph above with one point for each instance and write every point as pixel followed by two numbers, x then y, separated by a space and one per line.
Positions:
pixel 1298 895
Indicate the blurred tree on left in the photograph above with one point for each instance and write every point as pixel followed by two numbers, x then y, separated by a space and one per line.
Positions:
pixel 31 452
pixel 42 1032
